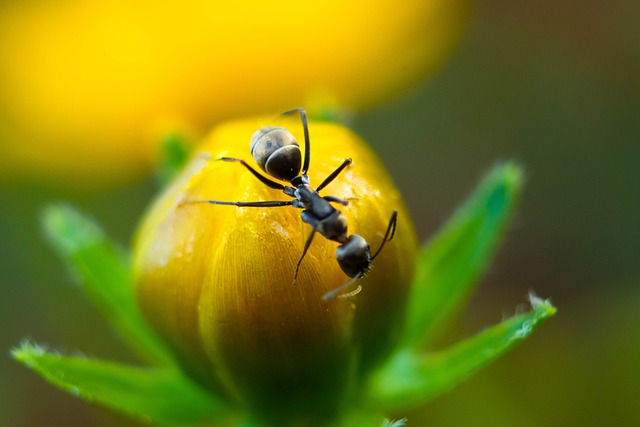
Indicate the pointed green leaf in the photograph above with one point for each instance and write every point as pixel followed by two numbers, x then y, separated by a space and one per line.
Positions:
pixel 411 378
pixel 451 263
pixel 103 270
pixel 160 396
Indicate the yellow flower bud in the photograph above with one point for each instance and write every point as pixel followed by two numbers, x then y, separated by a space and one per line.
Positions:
pixel 216 281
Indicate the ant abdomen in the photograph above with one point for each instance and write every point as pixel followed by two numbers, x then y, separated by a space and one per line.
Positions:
pixel 277 152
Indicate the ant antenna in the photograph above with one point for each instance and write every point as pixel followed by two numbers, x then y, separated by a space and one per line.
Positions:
pixel 307 144
pixel 391 229
pixel 334 293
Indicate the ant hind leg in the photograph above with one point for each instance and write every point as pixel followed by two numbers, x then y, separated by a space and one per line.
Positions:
pixel 307 144
pixel 260 204
pixel 266 181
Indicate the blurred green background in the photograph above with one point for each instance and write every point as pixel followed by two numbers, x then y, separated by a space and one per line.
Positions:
pixel 553 85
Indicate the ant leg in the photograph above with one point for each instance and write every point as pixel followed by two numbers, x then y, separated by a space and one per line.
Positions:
pixel 304 252
pixel 262 204
pixel 334 174
pixel 391 229
pixel 266 181
pixel 334 199
pixel 307 145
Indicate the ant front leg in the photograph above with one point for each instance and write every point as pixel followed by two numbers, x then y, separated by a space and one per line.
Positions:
pixel 310 219
pixel 304 252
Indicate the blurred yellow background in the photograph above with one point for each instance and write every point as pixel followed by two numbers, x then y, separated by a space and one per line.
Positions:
pixel 88 88
pixel 554 86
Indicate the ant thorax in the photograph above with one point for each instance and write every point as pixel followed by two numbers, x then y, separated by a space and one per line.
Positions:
pixel 311 200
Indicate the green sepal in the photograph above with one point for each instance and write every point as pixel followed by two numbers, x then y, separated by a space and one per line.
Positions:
pixel 103 270
pixel 162 396
pixel 398 423
pixel 451 263
pixel 356 417
pixel 174 153
pixel 333 114
pixel 412 377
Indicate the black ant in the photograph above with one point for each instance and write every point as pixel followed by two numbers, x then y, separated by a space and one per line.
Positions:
pixel 277 153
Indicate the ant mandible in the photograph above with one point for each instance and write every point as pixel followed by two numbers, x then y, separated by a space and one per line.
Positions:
pixel 278 154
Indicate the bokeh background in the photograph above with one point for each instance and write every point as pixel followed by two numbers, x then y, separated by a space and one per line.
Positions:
pixel 553 85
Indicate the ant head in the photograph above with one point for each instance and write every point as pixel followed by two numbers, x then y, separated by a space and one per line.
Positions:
pixel 277 152
pixel 354 256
